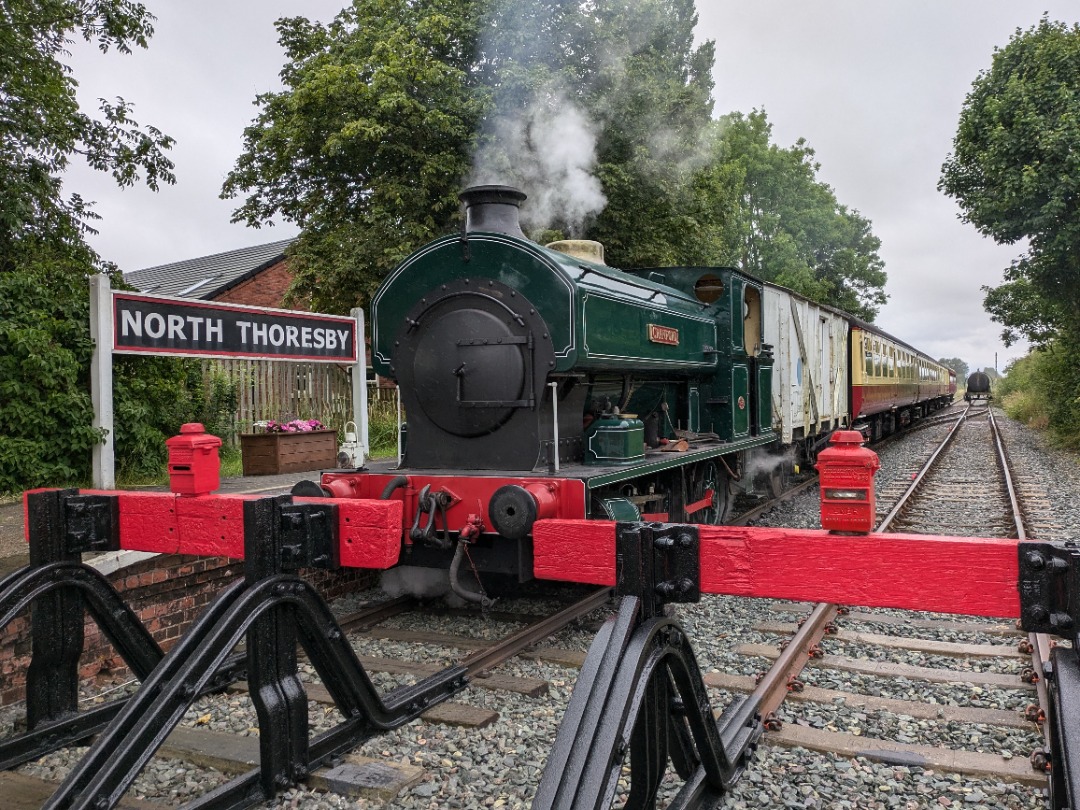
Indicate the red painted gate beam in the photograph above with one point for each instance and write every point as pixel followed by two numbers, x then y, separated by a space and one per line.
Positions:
pixel 369 531
pixel 974 576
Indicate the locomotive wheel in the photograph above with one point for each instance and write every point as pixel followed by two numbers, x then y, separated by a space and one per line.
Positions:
pixel 706 476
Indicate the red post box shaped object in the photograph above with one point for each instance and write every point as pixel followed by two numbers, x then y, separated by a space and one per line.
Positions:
pixel 194 466
pixel 846 471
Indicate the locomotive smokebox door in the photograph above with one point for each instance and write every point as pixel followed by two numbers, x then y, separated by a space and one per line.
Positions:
pixel 846 471
pixel 472 360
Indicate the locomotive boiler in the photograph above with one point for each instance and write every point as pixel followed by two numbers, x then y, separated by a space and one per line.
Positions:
pixel 540 382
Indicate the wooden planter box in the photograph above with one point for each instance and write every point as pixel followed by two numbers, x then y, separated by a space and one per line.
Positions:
pixel 275 453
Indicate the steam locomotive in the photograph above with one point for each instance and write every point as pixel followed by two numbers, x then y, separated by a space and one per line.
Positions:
pixel 538 382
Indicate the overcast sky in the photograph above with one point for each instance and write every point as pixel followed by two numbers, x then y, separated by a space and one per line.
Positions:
pixel 874 87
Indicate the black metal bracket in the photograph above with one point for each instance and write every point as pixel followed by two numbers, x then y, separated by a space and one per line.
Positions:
pixel 91 523
pixel 309 536
pixel 1049 585
pixel 660 563
pixel 640 695
pixel 274 611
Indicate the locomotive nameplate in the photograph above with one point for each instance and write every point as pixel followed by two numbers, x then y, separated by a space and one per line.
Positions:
pixel 663 334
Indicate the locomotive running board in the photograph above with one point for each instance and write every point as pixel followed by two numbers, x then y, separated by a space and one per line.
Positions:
pixel 640 695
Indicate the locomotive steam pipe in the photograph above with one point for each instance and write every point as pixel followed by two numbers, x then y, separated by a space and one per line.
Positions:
pixel 395 483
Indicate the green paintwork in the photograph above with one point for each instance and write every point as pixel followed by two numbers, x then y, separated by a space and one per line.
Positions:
pixel 693 361
pixel 620 509
pixel 598 315
pixel 740 398
pixel 610 441
pixel 616 332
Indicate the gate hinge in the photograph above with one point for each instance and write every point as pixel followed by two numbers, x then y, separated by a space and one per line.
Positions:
pixel 1049 585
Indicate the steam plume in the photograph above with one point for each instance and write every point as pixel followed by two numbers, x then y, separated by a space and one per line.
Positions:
pixel 548 149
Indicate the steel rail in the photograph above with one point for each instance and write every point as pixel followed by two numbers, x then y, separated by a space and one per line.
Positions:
pixel 506 648
pixel 1039 643
pixel 368 617
pixel 744 518
pixel 782 676
pixel 921 474
pixel 1003 462
pixel 760 509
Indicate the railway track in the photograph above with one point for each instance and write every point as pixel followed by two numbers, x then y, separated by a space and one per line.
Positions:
pixel 961 486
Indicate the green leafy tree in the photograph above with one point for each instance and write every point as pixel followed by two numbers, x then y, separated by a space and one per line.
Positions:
pixel 366 146
pixel 1013 171
pixel 791 229
pixel 1040 390
pixel 383 109
pixel 45 263
pixel 957 365
pixel 630 69
pixel 601 112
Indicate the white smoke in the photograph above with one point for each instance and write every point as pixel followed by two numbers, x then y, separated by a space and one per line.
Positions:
pixel 548 150
pixel 761 464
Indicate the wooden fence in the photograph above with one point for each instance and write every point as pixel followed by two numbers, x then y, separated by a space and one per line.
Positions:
pixel 283 391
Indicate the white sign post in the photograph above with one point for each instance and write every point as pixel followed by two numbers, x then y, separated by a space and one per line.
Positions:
pixel 359 386
pixel 101 379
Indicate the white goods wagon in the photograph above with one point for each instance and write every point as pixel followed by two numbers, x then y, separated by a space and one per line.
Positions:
pixel 810 375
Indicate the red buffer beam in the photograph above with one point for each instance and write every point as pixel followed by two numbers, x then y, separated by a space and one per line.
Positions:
pixel 966 575
pixel 369 531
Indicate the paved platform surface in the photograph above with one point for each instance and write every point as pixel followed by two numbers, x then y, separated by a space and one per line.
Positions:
pixel 13 550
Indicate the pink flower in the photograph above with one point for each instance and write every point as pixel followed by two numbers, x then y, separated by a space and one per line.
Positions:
pixel 295 426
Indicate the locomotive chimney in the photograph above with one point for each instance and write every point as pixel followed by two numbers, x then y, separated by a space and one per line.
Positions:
pixel 493 208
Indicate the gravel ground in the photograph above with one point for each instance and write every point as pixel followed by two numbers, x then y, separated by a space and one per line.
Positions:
pixel 499 766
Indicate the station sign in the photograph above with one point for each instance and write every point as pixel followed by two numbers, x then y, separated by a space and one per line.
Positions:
pixel 147 324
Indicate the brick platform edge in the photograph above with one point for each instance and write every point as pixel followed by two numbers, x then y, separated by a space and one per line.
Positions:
pixel 168 593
